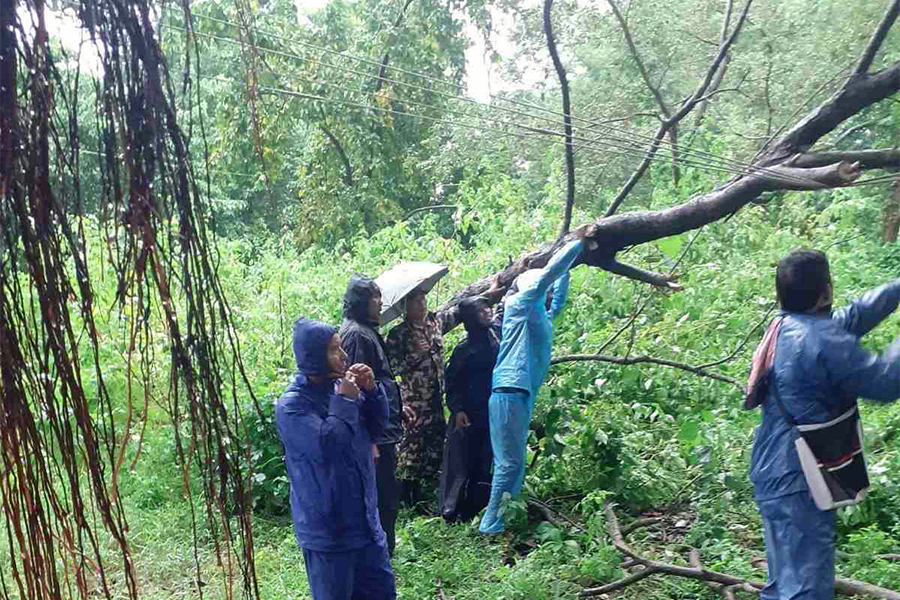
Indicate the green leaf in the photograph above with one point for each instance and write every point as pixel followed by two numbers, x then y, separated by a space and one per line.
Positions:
pixel 670 245
pixel 689 431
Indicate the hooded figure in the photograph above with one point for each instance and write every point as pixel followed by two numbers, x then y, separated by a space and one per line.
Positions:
pixel 363 344
pixel 327 426
pixel 466 480
pixel 819 368
pixel 522 363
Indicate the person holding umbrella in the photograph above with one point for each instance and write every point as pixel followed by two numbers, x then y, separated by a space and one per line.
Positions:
pixel 415 349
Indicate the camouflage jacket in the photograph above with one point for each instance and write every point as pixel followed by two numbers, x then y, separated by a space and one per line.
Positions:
pixel 421 374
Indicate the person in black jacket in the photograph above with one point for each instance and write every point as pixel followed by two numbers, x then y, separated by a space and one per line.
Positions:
pixel 363 344
pixel 468 390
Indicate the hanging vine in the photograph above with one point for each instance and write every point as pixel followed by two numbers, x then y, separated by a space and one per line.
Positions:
pixel 62 445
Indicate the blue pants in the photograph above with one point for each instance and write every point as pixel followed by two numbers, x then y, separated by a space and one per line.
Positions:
pixel 510 416
pixel 799 548
pixel 362 574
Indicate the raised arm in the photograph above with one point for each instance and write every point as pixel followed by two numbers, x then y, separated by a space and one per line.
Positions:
pixel 447 319
pixel 559 264
pixel 865 313
pixel 858 372
pixel 560 294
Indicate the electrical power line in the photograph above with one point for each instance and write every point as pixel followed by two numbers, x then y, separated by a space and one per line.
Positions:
pixel 633 148
pixel 639 139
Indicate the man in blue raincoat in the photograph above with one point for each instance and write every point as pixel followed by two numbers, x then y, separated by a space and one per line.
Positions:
pixel 522 363
pixel 327 419
pixel 820 369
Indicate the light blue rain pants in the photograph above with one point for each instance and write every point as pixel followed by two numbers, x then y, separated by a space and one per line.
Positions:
pixel 799 548
pixel 510 416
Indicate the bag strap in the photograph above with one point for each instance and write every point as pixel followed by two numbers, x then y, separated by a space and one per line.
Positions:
pixel 773 385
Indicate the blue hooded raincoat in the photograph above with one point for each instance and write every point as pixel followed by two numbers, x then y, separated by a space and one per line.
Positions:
pixel 522 363
pixel 328 453
pixel 820 369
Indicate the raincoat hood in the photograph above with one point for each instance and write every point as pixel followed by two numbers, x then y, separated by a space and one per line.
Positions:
pixel 528 279
pixel 468 314
pixel 310 341
pixel 356 299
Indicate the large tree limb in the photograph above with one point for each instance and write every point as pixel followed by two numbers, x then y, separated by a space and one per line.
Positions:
pixel 859 93
pixel 867 159
pixel 616 232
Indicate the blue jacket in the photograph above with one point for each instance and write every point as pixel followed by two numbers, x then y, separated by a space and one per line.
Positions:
pixel 328 451
pixel 527 341
pixel 820 369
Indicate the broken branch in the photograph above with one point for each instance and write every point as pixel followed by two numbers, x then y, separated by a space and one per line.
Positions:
pixel 621 360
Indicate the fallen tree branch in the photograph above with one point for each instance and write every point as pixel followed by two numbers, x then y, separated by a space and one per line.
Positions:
pixel 618 585
pixel 554 516
pixel 639 523
pixel 638 274
pixel 616 232
pixel 867 159
pixel 724 583
pixel 621 360
pixel 618 539
pixel 785 177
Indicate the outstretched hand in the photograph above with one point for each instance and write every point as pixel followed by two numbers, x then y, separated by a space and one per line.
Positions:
pixel 496 287
pixel 586 232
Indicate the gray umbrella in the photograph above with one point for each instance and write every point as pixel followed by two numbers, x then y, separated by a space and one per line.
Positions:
pixel 397 282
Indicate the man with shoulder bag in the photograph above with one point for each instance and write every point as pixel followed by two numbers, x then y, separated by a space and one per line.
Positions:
pixel 807 460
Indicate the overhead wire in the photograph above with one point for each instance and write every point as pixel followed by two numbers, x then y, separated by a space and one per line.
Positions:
pixel 631 148
pixel 740 167
pixel 481 127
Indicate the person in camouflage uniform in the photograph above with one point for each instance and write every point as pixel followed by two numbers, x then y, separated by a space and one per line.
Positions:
pixel 415 349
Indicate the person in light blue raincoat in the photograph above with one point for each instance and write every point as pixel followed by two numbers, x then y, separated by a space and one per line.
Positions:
pixel 819 369
pixel 327 419
pixel 522 363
